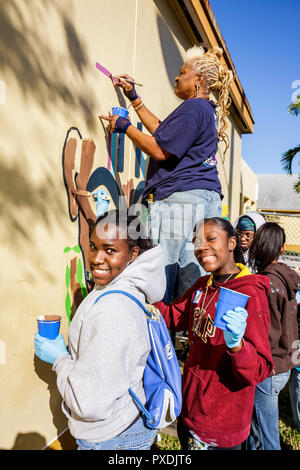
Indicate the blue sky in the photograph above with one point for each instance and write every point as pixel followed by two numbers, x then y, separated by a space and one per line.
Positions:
pixel 263 39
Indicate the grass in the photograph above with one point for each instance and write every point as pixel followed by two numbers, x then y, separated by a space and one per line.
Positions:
pixel 289 436
pixel 168 442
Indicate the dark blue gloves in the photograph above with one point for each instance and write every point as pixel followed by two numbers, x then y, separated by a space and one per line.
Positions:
pixel 131 94
pixel 122 125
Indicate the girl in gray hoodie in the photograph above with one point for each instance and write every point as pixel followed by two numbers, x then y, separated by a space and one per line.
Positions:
pixel 108 342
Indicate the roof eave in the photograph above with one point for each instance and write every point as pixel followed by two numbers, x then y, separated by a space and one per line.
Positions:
pixel 204 30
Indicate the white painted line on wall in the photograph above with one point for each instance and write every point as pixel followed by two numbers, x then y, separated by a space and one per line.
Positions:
pixel 132 113
pixel 2 92
pixel 54 439
pixel 2 352
pixel 135 36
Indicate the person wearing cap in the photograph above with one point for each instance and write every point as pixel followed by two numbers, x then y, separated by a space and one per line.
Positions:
pixel 246 226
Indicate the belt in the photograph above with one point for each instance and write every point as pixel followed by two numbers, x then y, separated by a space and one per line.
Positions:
pixel 150 198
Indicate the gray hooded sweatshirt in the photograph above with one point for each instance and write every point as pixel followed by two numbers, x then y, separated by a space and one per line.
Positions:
pixel 109 346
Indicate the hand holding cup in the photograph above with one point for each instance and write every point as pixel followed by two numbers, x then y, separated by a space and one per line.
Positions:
pixel 236 324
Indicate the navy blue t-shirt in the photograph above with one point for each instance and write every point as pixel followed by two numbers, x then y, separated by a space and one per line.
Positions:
pixel 189 133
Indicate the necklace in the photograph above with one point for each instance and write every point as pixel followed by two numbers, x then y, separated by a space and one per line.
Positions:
pixel 203 310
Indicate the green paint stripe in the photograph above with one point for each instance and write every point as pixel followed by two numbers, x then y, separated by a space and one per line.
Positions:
pixel 68 276
pixel 68 306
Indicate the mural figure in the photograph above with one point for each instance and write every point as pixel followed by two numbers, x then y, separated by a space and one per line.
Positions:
pixel 89 193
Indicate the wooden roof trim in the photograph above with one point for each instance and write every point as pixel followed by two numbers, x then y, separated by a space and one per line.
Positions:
pixel 201 14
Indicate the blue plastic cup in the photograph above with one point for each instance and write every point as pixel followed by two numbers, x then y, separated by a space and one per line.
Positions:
pixel 228 300
pixel 118 110
pixel 48 326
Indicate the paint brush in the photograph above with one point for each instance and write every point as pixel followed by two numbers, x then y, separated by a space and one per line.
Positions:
pixel 114 79
pixel 129 81
pixel 106 72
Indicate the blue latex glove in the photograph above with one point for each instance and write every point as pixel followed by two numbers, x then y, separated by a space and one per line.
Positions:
pixel 236 323
pixel 122 124
pixel 49 350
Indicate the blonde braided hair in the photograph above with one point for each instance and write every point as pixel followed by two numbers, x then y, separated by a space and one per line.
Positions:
pixel 217 79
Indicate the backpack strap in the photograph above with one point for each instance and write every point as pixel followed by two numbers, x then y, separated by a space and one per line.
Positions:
pixel 128 295
pixel 134 396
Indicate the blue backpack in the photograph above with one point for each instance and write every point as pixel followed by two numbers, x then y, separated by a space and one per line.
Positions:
pixel 162 376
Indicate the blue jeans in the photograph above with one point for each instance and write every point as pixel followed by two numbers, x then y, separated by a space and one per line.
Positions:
pixel 264 433
pixel 294 388
pixel 171 223
pixel 136 437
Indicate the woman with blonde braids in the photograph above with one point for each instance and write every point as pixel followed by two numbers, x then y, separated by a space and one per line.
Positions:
pixel 182 183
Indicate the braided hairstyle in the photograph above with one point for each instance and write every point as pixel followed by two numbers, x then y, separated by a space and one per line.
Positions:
pixel 217 79
pixel 134 228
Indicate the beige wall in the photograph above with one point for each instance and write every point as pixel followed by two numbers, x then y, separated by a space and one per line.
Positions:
pixel 47 61
pixel 230 172
pixel 239 182
pixel 249 188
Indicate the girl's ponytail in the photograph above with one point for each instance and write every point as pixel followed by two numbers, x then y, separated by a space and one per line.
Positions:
pixel 238 252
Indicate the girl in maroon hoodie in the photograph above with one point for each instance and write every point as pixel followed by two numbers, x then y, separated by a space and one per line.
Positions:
pixel 264 253
pixel 222 367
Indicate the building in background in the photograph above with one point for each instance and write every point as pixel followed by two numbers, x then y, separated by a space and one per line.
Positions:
pixel 249 189
pixel 52 142
pixel 278 202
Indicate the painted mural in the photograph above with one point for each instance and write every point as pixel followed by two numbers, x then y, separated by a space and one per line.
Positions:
pixel 90 191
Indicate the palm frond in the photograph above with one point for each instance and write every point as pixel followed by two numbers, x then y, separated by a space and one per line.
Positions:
pixel 294 108
pixel 297 186
pixel 288 158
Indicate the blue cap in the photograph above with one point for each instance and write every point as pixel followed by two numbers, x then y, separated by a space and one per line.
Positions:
pixel 245 223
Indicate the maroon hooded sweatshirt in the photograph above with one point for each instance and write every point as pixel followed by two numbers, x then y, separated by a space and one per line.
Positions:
pixel 218 385
pixel 284 284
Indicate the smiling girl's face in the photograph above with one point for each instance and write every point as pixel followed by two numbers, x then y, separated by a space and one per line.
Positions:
pixel 214 250
pixel 109 253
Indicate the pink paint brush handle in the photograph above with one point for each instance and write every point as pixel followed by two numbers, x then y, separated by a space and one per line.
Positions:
pixel 106 72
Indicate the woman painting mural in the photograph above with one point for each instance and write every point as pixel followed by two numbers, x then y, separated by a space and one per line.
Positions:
pixel 182 183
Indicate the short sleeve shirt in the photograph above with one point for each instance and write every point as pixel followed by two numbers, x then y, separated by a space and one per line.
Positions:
pixel 189 133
